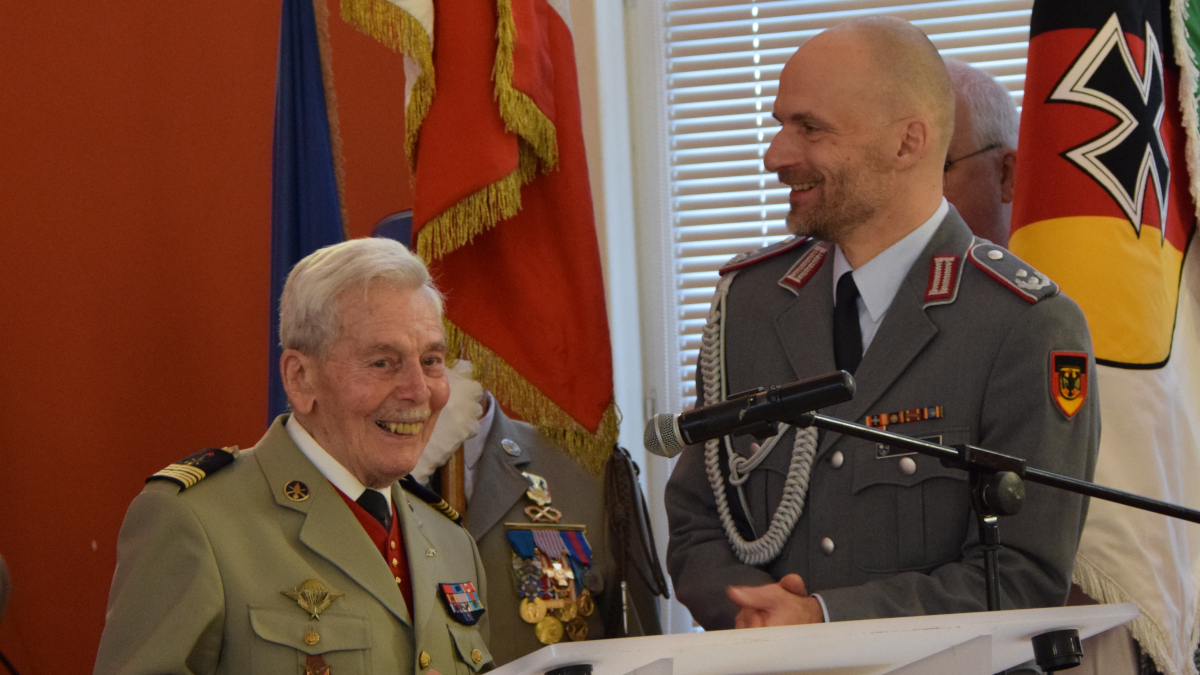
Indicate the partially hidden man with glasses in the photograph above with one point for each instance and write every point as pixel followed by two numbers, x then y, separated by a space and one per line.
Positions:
pixel 949 337
pixel 980 162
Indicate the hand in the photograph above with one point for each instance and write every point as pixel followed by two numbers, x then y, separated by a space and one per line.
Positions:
pixel 785 603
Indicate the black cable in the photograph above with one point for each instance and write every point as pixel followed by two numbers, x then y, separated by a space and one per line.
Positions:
pixel 8 664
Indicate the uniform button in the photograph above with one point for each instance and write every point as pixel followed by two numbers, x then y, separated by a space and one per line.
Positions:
pixel 395 562
pixel 393 546
pixel 311 638
pixel 424 659
pixel 837 459
pixel 908 466
pixel 827 546
pixel 398 580
pixel 476 656
pixel 995 255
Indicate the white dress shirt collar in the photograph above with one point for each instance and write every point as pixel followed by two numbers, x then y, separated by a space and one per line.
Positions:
pixel 329 467
pixel 473 446
pixel 879 279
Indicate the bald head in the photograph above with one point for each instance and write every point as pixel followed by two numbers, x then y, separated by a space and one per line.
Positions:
pixel 866 112
pixel 907 73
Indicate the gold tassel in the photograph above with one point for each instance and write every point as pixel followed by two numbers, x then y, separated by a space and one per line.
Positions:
pixel 458 225
pixel 521 115
pixel 321 12
pixel 591 450
pixel 401 32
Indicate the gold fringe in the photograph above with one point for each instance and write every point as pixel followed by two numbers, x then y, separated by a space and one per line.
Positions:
pixel 517 393
pixel 321 13
pixel 521 115
pixel 401 32
pixel 460 224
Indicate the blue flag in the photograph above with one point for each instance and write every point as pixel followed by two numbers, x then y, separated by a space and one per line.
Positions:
pixel 305 212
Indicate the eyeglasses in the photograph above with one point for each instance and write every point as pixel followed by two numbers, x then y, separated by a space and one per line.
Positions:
pixel 952 162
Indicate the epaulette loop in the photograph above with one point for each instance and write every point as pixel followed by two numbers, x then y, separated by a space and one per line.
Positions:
pixel 431 498
pixel 1013 273
pixel 192 469
pixel 765 253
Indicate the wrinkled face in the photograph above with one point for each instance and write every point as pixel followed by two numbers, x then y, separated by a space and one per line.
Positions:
pixel 379 389
pixel 832 147
pixel 975 184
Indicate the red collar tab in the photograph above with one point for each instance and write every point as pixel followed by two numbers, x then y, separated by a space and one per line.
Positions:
pixel 943 279
pixel 805 268
pixel 1013 273
pixel 765 253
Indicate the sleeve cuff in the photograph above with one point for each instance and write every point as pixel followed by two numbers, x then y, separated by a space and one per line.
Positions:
pixel 824 609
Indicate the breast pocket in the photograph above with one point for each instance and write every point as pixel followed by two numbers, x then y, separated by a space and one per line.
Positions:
pixel 909 512
pixel 285 639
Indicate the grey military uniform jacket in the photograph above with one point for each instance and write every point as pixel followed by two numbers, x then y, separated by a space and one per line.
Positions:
pixel 201 574
pixel 499 497
pixel 874 540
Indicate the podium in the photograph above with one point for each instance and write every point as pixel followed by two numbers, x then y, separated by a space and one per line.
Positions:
pixel 979 643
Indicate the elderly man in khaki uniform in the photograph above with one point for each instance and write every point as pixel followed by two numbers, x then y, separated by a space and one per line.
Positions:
pixel 307 553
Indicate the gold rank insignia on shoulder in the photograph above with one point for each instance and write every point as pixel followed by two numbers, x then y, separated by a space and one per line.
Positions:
pixel 903 417
pixel 192 469
pixel 313 597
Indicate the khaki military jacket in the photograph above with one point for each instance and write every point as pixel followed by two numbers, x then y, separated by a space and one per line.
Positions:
pixel 883 535
pixel 201 574
pixel 499 497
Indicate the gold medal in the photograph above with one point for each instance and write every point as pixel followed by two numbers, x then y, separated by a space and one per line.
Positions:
pixel 586 604
pixel 549 631
pixel 533 611
pixel 577 629
pixel 569 611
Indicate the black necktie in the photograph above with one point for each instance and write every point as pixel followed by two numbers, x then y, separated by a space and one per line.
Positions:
pixel 375 504
pixel 847 336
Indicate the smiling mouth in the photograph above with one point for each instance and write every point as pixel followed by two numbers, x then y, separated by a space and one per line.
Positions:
pixel 802 187
pixel 401 428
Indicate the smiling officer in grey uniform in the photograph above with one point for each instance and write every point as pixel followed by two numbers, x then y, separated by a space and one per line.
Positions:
pixel 306 553
pixel 949 337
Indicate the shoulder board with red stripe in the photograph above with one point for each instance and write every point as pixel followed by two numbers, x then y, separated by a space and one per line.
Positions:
pixel 805 268
pixel 1013 273
pixel 765 253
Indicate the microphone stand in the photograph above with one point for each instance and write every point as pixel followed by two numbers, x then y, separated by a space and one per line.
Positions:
pixel 997 485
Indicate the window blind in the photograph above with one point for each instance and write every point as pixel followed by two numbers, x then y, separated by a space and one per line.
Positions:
pixel 723 64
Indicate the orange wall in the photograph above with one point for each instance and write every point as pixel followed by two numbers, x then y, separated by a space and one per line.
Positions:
pixel 135 156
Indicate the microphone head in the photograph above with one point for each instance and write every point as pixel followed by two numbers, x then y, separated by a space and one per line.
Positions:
pixel 661 436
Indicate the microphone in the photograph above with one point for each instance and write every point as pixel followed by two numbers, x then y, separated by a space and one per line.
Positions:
pixel 753 412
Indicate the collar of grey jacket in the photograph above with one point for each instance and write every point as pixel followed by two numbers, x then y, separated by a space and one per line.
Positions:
pixel 906 329
pixel 490 503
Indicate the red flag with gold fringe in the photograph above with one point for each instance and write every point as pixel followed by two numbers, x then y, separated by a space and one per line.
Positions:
pixel 503 215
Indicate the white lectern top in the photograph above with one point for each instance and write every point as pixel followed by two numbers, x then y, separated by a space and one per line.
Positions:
pixel 960 644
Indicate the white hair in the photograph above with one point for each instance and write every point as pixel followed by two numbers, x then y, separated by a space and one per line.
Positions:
pixel 994 116
pixel 308 307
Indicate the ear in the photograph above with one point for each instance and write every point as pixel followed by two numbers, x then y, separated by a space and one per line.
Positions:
pixel 1008 175
pixel 299 373
pixel 915 141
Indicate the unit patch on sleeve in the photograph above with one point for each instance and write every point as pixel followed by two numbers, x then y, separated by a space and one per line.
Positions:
pixel 1013 273
pixel 192 469
pixel 1068 381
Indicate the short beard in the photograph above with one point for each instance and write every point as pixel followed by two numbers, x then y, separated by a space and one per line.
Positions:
pixel 851 198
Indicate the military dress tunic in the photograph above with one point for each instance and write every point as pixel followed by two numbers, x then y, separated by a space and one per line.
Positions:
pixel 510 449
pixel 966 354
pixel 202 575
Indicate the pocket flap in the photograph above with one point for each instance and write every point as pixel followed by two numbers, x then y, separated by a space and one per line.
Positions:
pixel 470 645
pixel 883 466
pixel 334 631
